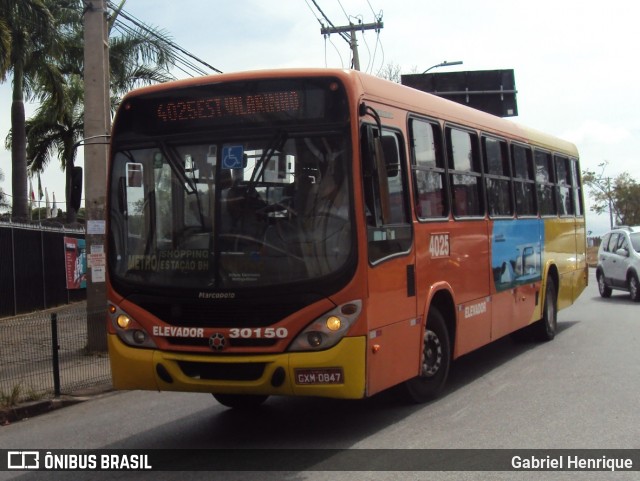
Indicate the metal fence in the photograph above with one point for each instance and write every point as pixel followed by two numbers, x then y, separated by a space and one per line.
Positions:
pixel 33 269
pixel 45 354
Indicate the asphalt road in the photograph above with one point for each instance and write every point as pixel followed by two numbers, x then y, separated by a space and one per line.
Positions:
pixel 579 391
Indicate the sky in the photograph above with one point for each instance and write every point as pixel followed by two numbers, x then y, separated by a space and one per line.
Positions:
pixel 575 61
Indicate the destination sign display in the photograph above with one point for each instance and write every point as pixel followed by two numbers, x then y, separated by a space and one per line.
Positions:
pixel 229 106
pixel 251 103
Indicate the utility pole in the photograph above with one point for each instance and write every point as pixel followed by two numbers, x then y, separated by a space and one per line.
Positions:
pixel 352 29
pixel 97 126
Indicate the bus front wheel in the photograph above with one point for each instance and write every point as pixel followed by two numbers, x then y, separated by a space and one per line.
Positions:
pixel 240 401
pixel 436 360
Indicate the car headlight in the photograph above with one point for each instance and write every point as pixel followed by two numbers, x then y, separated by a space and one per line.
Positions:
pixel 128 329
pixel 325 331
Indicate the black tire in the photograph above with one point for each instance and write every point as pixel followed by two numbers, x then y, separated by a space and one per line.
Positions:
pixel 240 401
pixel 545 328
pixel 605 291
pixel 634 288
pixel 436 361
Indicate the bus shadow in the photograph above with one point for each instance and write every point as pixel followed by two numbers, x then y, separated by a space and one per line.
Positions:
pixel 480 362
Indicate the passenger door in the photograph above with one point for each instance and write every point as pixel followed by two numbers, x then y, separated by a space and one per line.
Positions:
pixel 394 331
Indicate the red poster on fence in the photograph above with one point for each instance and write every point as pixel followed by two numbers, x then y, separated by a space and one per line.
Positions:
pixel 75 258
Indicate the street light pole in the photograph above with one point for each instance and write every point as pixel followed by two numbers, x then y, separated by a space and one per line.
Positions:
pixel 443 64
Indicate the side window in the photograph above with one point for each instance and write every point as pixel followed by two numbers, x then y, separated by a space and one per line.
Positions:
pixel 523 180
pixel 605 242
pixel 545 182
pixel 398 213
pixel 497 177
pixel 564 186
pixel 577 187
pixel 388 225
pixel 613 242
pixel 428 170
pixel 622 243
pixel 464 171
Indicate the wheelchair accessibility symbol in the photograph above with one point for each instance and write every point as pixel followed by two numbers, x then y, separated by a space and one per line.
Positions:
pixel 232 157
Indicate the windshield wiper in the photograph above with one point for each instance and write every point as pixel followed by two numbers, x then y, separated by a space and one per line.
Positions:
pixel 275 144
pixel 174 162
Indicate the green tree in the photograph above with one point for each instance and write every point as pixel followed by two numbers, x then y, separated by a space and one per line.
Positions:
pixel 30 58
pixel 137 57
pixel 619 196
pixel 627 199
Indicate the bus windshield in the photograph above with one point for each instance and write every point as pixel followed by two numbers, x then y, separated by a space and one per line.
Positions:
pixel 229 213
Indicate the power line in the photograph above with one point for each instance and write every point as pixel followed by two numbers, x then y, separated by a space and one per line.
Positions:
pixel 138 23
pixel 351 29
pixel 344 11
pixel 179 62
pixel 343 35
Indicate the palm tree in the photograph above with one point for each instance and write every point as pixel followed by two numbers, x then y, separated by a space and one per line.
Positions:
pixel 30 28
pixel 137 57
pixel 3 199
pixel 5 45
pixel 51 132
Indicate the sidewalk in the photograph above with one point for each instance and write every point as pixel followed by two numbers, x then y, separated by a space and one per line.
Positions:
pixel 27 375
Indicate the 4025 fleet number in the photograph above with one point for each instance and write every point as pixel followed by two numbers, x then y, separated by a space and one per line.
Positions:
pixel 259 333
pixel 439 245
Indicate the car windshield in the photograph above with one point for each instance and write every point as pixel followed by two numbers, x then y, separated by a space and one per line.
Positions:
pixel 250 212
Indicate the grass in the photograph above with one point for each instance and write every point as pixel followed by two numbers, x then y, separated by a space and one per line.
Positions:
pixel 12 398
pixel 17 394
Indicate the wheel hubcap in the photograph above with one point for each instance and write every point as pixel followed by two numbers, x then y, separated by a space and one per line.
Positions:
pixel 432 354
pixel 551 317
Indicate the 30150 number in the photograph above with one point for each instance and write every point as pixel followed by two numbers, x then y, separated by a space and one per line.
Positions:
pixel 259 333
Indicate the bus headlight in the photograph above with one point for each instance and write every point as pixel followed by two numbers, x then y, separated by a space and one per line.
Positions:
pixel 325 331
pixel 123 321
pixel 128 330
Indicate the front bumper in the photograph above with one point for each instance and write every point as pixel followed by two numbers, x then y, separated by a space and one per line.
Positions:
pixel 268 374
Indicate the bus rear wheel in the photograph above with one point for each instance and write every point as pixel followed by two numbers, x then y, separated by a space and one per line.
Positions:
pixel 240 401
pixel 436 361
pixel 547 326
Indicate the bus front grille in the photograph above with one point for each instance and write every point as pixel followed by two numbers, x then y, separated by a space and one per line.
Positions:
pixel 231 342
pixel 211 371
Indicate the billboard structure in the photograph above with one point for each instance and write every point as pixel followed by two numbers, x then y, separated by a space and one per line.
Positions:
pixel 492 91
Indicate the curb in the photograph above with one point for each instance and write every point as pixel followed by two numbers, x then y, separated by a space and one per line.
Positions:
pixel 23 411
pixel 34 408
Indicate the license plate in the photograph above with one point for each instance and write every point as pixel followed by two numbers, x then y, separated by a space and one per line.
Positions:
pixel 332 375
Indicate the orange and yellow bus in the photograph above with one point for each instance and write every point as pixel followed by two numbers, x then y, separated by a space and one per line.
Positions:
pixel 328 233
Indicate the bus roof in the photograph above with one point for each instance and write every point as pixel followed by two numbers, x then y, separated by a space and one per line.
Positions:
pixel 393 94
